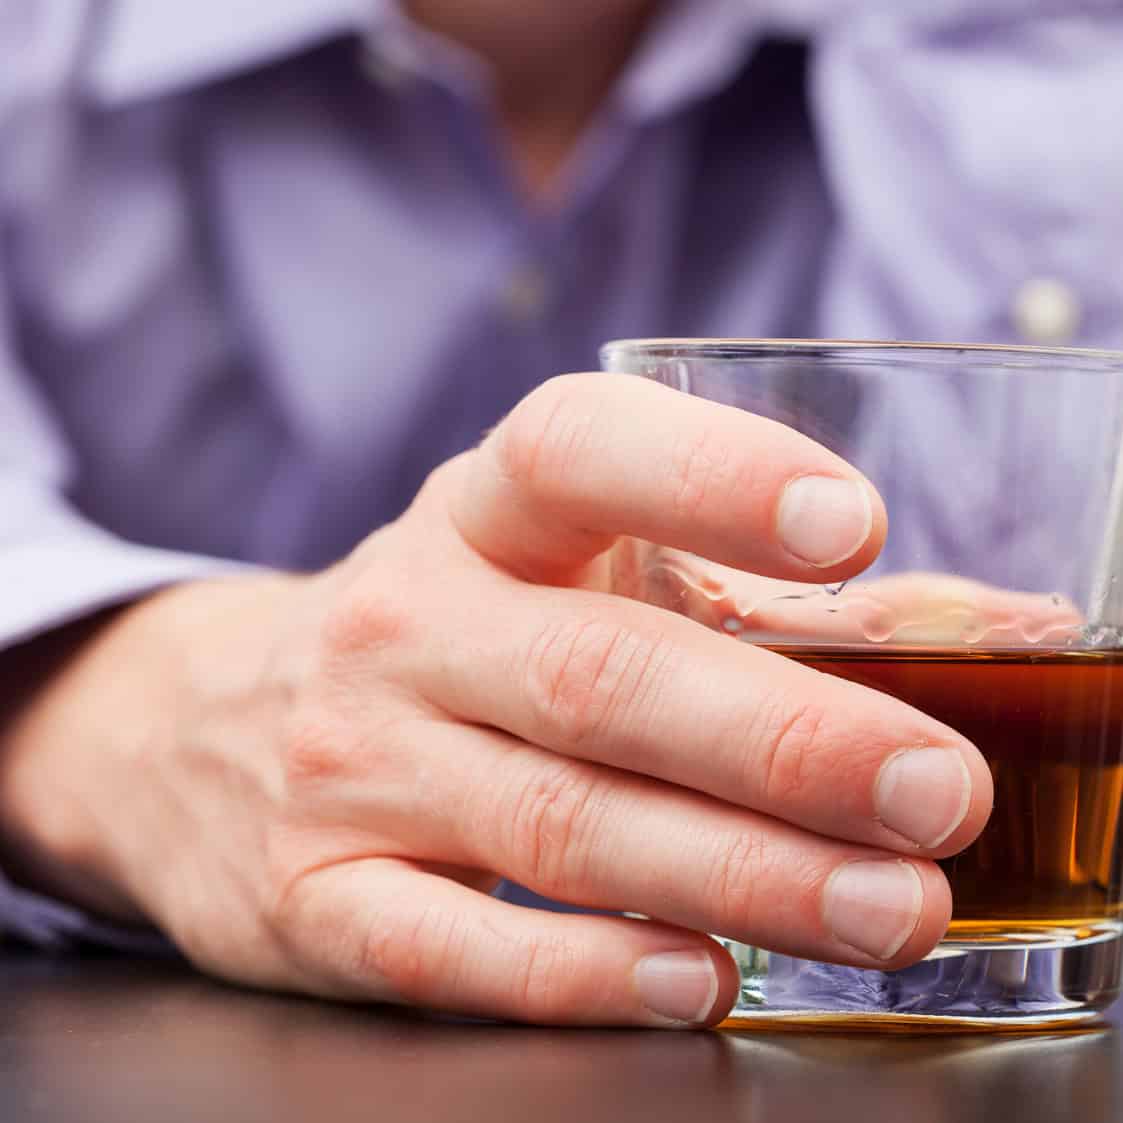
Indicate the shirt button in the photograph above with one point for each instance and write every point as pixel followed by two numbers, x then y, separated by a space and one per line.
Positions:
pixel 1046 312
pixel 526 293
pixel 386 64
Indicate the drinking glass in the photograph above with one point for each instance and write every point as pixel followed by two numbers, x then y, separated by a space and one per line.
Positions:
pixel 995 606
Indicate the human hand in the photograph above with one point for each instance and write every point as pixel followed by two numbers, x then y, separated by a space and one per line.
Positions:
pixel 313 783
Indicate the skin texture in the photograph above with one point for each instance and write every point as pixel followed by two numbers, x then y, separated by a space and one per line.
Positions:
pixel 311 783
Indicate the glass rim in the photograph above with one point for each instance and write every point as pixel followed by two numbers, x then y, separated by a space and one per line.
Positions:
pixel 686 346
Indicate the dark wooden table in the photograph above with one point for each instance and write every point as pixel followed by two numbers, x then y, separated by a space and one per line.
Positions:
pixel 102 1040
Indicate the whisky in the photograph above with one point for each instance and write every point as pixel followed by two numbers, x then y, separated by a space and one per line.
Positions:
pixel 1050 725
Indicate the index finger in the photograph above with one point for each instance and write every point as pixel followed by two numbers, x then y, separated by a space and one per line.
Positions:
pixel 588 457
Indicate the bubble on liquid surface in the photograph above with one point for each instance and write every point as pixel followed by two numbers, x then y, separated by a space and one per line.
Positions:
pixel 1101 636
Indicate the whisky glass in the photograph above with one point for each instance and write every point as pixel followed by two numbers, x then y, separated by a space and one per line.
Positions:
pixel 996 606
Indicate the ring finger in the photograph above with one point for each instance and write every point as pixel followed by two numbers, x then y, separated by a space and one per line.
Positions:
pixel 602 838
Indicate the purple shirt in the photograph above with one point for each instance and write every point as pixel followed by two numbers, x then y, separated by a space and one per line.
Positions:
pixel 264 265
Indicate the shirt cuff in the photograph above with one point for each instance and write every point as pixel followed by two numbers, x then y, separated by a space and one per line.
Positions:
pixel 56 568
pixel 52 583
pixel 50 924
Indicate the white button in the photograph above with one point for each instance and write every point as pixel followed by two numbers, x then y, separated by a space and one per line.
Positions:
pixel 526 293
pixel 387 63
pixel 1046 312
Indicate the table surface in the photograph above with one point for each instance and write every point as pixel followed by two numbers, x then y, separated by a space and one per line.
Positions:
pixel 106 1039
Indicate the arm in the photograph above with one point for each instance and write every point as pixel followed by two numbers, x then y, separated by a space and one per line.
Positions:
pixel 60 578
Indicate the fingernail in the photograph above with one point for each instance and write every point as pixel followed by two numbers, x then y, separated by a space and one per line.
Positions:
pixel 824 521
pixel 680 986
pixel 873 906
pixel 923 794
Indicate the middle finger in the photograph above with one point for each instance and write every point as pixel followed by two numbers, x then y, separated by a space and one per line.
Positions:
pixel 606 679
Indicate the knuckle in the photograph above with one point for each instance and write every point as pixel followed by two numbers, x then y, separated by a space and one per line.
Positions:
pixel 543 979
pixel 700 474
pixel 356 943
pixel 787 739
pixel 313 753
pixel 409 950
pixel 543 437
pixel 734 884
pixel 326 748
pixel 301 924
pixel 582 676
pixel 367 618
pixel 552 827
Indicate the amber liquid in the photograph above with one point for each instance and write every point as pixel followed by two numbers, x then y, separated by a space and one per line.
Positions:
pixel 1050 725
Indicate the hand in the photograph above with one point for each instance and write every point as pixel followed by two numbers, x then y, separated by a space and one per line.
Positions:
pixel 313 783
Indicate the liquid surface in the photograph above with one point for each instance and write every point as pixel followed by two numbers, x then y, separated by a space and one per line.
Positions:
pixel 1050 724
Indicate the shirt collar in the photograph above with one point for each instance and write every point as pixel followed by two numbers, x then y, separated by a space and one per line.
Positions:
pixel 146 48
pixel 693 49
pixel 143 48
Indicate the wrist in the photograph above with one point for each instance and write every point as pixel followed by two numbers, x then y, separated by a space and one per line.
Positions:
pixel 100 708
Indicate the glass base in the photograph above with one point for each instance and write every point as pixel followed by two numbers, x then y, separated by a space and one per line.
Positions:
pixel 1042 978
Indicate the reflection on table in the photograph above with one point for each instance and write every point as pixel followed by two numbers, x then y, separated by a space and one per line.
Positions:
pixel 99 1040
